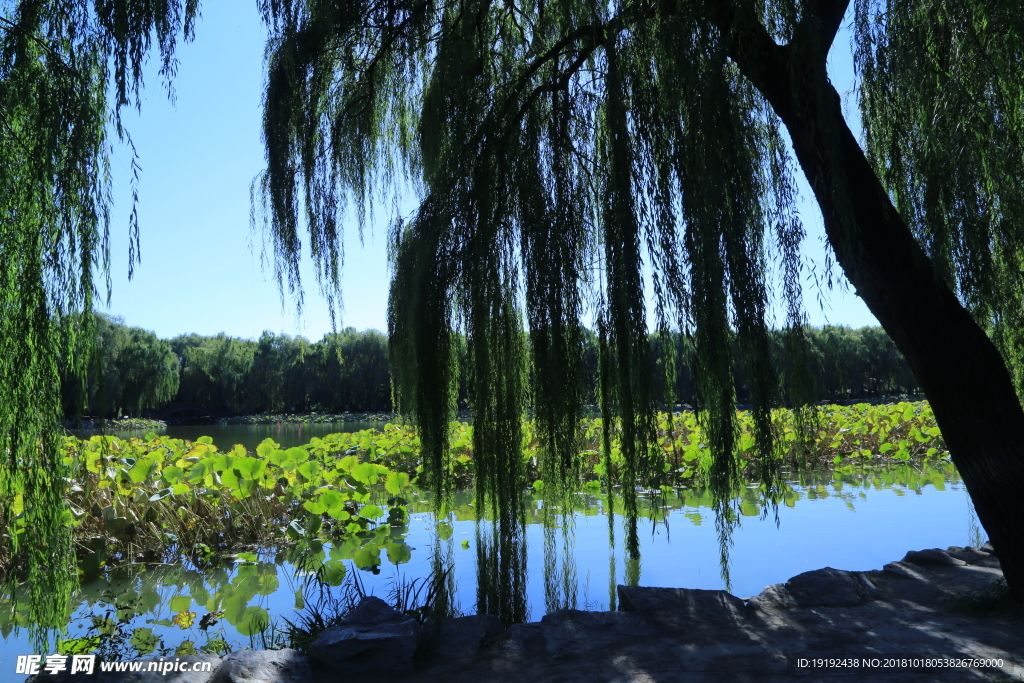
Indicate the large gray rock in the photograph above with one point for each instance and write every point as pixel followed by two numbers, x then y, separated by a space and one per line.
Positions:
pixel 904 570
pixel 683 608
pixel 463 637
pixel 526 639
pixel 374 639
pixel 830 587
pixel 574 632
pixel 774 597
pixel 190 669
pixel 932 556
pixel 264 666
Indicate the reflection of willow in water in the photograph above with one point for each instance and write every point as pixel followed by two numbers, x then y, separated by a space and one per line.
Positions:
pixel 501 561
pixel 501 569
pixel 559 578
pixel 442 570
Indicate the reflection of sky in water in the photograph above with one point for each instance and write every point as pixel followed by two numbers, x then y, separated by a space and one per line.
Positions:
pixel 855 528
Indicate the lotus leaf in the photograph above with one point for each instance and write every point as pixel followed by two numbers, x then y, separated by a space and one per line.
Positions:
pixel 253 620
pixel 144 640
pixel 367 557
pixel 332 572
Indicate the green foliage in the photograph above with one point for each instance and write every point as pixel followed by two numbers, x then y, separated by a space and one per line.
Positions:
pixel 132 371
pixel 944 127
pixel 344 371
pixel 160 497
pixel 59 63
pixel 555 150
pixel 215 371
pixel 156 497
pixel 349 370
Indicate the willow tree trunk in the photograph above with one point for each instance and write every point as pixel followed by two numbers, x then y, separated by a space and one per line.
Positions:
pixel 959 368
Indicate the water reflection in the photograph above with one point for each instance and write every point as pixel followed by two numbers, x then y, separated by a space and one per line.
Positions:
pixel 560 581
pixel 174 608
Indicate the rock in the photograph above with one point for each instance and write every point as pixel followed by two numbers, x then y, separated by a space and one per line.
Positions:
pixel 264 666
pixel 830 587
pixel 526 639
pixel 573 632
pixel 969 555
pixel 773 597
pixel 902 570
pixel 683 608
pixel 374 639
pixel 371 610
pixel 463 637
pixel 932 556
pixel 204 665
pixel 987 547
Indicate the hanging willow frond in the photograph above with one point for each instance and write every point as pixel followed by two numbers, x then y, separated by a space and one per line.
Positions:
pixel 944 127
pixel 561 149
pixel 58 62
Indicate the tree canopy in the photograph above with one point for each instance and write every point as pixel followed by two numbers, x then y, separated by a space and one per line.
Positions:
pixel 559 147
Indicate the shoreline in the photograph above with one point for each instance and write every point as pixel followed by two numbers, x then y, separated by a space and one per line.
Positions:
pixel 893 624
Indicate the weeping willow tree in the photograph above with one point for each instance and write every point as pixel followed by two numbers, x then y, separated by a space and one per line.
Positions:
pixel 59 64
pixel 559 147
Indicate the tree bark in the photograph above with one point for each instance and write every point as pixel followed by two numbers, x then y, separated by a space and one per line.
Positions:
pixel 961 371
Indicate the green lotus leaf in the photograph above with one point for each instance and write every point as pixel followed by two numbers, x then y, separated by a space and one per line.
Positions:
pixel 332 499
pixel 78 646
pixel 309 469
pixel 315 507
pixel 144 640
pixel 298 454
pixel 370 511
pixel 180 603
pixel 348 463
pixel 160 495
pixel 367 557
pixel 250 468
pixel 333 572
pixel 172 474
pixel 142 470
pixel 398 552
pixel 396 483
pixel 346 550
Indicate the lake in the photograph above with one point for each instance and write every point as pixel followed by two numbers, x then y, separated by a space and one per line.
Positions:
pixel 856 521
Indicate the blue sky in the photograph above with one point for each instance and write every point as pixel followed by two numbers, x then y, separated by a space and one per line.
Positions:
pixel 201 265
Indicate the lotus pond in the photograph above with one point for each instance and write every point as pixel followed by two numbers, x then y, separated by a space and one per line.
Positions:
pixel 186 546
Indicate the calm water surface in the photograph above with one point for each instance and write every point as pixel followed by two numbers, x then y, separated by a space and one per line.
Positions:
pixel 856 521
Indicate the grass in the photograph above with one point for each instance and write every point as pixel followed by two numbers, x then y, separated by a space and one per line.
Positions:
pixel 327 606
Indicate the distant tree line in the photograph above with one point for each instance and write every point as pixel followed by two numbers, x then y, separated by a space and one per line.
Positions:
pixel 136 373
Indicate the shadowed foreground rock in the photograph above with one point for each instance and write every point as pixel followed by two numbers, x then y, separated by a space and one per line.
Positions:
pixel 668 635
pixel 375 639
pixel 888 625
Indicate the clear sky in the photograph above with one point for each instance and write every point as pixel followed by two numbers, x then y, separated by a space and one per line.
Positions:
pixel 201 265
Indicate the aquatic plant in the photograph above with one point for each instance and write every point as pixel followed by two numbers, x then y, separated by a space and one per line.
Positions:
pixel 144 498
